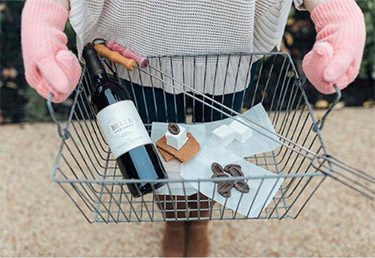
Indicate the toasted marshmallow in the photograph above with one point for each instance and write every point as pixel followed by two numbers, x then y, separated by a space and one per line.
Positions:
pixel 242 132
pixel 177 140
pixel 224 135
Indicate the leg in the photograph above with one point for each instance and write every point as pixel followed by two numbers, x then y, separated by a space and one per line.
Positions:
pixel 198 244
pixel 197 241
pixel 175 231
pixel 197 231
pixel 155 105
pixel 180 238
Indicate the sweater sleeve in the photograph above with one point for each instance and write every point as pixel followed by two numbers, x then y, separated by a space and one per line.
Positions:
pixel 270 24
pixel 84 16
pixel 299 5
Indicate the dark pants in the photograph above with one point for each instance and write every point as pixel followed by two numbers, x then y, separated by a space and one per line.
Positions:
pixel 155 105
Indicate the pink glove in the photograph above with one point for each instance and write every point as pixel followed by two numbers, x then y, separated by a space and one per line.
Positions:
pixel 49 66
pixel 337 54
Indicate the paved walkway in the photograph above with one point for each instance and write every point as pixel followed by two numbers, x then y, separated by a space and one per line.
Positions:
pixel 37 219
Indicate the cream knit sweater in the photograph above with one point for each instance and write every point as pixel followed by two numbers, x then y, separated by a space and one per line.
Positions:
pixel 185 27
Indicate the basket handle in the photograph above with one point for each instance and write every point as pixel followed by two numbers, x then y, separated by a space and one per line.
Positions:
pixel 116 57
pixel 318 125
pixel 63 133
pixel 351 177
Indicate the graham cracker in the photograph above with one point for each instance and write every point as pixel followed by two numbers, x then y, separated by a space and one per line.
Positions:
pixel 167 157
pixel 186 153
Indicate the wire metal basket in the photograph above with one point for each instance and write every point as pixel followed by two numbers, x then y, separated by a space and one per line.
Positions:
pixel 87 172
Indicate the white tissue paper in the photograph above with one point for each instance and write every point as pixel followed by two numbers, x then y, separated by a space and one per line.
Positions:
pixel 262 140
pixel 249 204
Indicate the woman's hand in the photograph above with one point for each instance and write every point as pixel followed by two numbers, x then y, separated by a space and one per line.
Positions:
pixel 49 66
pixel 336 56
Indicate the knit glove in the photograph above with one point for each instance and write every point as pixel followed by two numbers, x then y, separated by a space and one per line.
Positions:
pixel 49 66
pixel 337 54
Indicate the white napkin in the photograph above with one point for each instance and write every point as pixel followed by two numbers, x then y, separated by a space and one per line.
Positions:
pixel 249 204
pixel 262 140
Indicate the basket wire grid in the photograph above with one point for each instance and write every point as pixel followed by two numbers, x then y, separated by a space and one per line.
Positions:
pixel 87 172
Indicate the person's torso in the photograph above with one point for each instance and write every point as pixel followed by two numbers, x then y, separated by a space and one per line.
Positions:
pixel 183 27
pixel 179 27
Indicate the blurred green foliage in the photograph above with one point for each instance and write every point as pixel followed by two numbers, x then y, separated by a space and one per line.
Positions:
pixel 298 39
pixel 35 108
pixel 368 63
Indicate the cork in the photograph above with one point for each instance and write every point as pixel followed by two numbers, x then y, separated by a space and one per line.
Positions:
pixel 186 153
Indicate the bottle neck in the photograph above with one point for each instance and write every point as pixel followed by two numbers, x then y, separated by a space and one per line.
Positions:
pixel 96 71
pixel 99 77
pixel 94 65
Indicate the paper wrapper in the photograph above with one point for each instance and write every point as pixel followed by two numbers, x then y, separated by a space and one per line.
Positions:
pixel 249 204
pixel 200 166
pixel 261 141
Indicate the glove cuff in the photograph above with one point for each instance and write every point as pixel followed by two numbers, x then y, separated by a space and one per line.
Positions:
pixel 46 10
pixel 334 11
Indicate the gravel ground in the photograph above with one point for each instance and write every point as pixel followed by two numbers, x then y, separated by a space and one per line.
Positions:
pixel 39 220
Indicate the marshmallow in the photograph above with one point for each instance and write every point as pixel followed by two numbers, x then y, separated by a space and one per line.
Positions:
pixel 177 140
pixel 242 132
pixel 224 135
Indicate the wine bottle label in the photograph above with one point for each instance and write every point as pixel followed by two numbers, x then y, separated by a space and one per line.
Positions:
pixel 122 127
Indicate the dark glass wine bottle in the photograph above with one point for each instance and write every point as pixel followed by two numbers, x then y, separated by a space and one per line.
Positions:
pixel 123 128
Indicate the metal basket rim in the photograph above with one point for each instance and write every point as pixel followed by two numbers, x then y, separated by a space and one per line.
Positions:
pixel 268 54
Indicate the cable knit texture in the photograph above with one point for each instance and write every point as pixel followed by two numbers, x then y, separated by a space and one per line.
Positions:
pixel 49 66
pixel 189 27
pixel 337 53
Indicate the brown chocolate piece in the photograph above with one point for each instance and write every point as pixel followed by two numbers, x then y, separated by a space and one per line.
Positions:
pixel 227 167
pixel 223 188
pixel 216 168
pixel 236 171
pixel 167 157
pixel 220 174
pixel 173 128
pixel 187 152
pixel 242 186
pixel 225 185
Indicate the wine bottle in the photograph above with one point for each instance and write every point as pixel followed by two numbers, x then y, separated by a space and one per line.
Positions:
pixel 123 128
